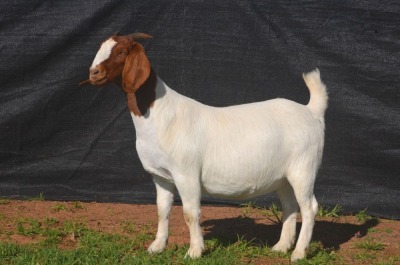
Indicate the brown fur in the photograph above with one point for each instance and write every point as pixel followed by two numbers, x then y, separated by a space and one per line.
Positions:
pixel 136 69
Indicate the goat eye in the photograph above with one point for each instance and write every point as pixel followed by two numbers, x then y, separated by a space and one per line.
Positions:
pixel 122 54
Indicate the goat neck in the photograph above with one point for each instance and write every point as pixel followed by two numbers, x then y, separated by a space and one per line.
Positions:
pixel 142 100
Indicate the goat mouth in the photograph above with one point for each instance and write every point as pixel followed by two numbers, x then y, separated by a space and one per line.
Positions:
pixel 98 81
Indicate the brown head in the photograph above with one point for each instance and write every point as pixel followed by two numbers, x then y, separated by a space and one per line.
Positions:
pixel 122 57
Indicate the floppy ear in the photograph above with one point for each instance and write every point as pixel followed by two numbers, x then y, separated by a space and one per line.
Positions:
pixel 132 104
pixel 136 70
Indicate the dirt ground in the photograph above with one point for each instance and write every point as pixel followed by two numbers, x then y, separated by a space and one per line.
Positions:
pixel 341 235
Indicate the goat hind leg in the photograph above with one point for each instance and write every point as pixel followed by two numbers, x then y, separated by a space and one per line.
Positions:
pixel 290 208
pixel 303 189
pixel 165 198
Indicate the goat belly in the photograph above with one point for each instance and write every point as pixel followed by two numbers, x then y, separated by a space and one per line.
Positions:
pixel 238 190
pixel 241 184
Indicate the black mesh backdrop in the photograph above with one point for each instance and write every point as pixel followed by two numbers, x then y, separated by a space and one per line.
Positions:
pixel 77 143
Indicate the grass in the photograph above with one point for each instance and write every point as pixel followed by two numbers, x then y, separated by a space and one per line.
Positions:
pixel 4 201
pixel 129 227
pixel 276 212
pixel 272 213
pixel 28 227
pixel 370 244
pixel 317 255
pixel 362 216
pixel 52 240
pixel 365 256
pixel 369 252
pixel 87 245
pixel 59 207
pixel 370 249
pixel 93 247
pixel 77 205
pixel 72 242
pixel 39 197
pixel 325 211
pixel 388 230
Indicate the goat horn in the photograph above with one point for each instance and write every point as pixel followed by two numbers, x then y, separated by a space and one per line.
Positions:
pixel 138 35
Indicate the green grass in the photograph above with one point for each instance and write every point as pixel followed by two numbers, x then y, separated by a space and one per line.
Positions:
pixel 77 205
pixel 388 230
pixel 363 217
pixel 51 221
pixel 369 244
pixel 4 201
pixel 276 212
pixel 71 242
pixel 325 211
pixel 59 207
pixel 248 207
pixel 88 246
pixel 101 248
pixel 39 197
pixel 272 213
pixel 129 227
pixel 317 254
pixel 365 256
pixel 28 227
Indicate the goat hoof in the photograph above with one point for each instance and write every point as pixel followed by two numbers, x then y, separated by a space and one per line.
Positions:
pixel 156 247
pixel 297 255
pixel 279 247
pixel 194 252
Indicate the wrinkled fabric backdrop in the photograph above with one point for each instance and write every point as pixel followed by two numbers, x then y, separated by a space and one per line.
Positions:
pixel 78 143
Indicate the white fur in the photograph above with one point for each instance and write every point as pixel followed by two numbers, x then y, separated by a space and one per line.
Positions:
pixel 235 152
pixel 104 52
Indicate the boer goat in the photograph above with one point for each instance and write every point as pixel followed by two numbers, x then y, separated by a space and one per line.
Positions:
pixel 235 152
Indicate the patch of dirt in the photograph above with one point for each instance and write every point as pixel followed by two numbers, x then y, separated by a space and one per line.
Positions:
pixel 341 235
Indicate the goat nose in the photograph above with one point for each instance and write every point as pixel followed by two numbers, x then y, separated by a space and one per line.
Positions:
pixel 94 71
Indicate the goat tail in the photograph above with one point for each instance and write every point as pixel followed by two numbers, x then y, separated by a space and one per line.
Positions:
pixel 318 93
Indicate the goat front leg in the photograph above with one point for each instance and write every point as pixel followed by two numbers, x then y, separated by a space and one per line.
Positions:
pixel 190 192
pixel 165 199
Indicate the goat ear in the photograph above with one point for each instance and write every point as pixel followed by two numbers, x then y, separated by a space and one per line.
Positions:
pixel 136 70
pixel 132 104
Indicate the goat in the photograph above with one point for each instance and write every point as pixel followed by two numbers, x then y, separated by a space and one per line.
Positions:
pixel 235 152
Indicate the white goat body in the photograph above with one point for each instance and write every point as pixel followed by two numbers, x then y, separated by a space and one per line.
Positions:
pixel 235 152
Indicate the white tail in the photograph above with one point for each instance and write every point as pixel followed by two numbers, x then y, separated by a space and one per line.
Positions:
pixel 318 93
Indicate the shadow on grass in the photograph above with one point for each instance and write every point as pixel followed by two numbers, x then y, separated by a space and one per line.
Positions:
pixel 330 234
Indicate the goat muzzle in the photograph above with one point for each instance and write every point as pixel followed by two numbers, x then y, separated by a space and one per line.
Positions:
pixel 97 76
